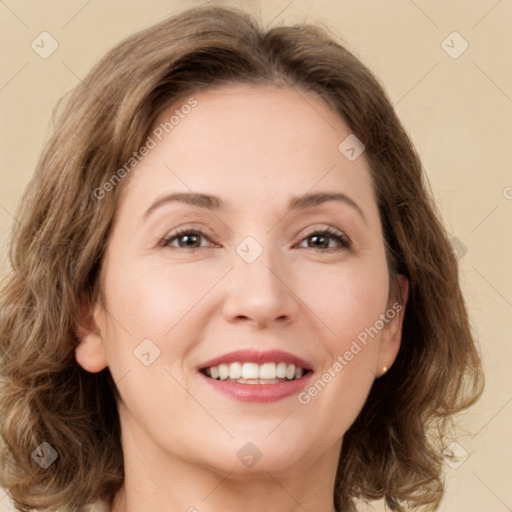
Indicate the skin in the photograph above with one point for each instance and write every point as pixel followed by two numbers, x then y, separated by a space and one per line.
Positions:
pixel 255 148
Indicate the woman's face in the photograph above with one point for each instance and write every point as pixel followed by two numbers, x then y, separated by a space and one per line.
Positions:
pixel 252 285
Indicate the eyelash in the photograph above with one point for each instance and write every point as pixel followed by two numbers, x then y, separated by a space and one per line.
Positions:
pixel 342 239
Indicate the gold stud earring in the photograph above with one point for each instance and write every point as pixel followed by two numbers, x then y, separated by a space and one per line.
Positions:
pixel 384 370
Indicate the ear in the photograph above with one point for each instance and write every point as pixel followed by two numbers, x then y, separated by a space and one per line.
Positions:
pixel 392 332
pixel 90 353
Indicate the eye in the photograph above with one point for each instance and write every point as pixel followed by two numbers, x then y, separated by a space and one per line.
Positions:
pixel 190 238
pixel 320 240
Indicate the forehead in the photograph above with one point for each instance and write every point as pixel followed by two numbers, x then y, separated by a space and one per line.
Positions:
pixel 249 144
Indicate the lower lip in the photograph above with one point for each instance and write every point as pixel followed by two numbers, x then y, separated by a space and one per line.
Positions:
pixel 258 392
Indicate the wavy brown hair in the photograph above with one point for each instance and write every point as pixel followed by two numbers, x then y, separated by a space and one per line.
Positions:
pixel 393 449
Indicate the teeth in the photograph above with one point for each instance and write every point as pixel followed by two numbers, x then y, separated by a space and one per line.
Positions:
pixel 223 371
pixel 254 373
pixel 268 371
pixel 250 371
pixel 214 372
pixel 235 370
pixel 281 370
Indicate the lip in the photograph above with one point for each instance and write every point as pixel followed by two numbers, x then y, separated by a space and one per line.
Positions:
pixel 263 393
pixel 258 392
pixel 257 356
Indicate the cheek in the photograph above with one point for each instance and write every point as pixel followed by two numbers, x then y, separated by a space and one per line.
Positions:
pixel 349 303
pixel 346 300
pixel 151 299
pixel 155 302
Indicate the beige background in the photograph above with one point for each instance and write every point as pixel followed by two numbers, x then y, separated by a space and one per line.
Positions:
pixel 458 111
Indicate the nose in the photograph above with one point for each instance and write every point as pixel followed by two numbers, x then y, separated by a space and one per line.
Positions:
pixel 260 292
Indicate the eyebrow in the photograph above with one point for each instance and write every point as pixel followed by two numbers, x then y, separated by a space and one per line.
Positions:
pixel 215 203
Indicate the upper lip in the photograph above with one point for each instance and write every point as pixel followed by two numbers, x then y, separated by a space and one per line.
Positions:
pixel 257 356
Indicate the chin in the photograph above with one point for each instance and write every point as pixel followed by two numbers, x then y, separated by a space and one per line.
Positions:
pixel 249 456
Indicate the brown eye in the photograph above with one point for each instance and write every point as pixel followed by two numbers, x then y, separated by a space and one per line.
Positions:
pixel 321 240
pixel 187 239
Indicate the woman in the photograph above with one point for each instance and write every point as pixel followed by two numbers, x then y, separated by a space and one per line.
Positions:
pixel 230 287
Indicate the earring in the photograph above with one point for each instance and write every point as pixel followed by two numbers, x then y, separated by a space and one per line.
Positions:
pixel 384 370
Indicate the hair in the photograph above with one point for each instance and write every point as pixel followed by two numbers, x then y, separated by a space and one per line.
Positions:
pixel 393 449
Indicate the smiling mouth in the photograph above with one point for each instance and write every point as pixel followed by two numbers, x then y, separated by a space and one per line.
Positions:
pixel 254 373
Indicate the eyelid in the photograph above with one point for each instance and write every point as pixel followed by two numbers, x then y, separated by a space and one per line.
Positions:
pixel 329 231
pixel 182 230
pixel 322 228
pixel 344 240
